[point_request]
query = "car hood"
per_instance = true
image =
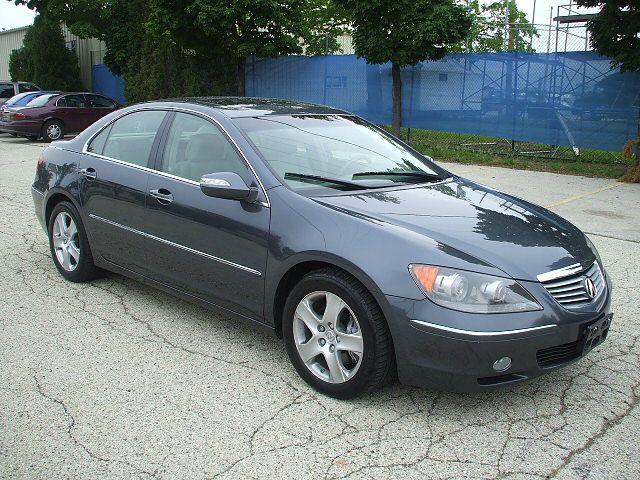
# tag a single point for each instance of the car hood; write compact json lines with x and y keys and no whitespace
{"x":519,"y":238}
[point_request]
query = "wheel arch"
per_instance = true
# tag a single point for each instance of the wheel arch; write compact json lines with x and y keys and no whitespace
{"x":55,"y":197}
{"x":299,"y":269}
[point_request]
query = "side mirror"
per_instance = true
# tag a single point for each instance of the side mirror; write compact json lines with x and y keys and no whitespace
{"x":227,"y":185}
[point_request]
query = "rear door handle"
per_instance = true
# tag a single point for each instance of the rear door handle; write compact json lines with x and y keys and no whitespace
{"x":90,"y":173}
{"x":163,"y":195}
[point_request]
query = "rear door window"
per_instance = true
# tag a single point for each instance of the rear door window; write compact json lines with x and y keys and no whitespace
{"x":72,"y":101}
{"x":96,"y":101}
{"x":131,"y":137}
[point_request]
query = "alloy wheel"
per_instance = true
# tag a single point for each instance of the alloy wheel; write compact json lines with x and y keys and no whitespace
{"x":54,"y":131}
{"x":328,"y":337}
{"x":66,"y":242}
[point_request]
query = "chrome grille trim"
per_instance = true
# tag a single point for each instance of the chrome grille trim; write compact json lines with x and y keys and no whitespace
{"x":569,"y":289}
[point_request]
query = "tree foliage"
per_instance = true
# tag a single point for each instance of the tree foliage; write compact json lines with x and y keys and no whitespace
{"x":615,"y":31}
{"x":490,"y":34}
{"x":167,"y":48}
{"x":405,"y":32}
{"x":325,"y":22}
{"x":44,"y":58}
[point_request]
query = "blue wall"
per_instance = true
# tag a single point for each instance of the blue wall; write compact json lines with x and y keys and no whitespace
{"x":571,"y":99}
{"x":106,"y":83}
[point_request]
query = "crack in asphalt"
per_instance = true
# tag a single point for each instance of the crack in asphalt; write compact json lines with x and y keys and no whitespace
{"x":72,"y":423}
{"x":287,"y":427}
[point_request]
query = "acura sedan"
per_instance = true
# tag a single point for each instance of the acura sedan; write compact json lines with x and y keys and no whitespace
{"x":365,"y":256}
{"x":53,"y":115}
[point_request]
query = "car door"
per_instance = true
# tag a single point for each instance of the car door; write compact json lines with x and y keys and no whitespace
{"x":213,"y":248}
{"x":113,"y":187}
{"x":98,"y":106}
{"x":73,"y":111}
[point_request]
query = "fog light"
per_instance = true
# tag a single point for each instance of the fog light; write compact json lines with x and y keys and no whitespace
{"x":502,"y":364}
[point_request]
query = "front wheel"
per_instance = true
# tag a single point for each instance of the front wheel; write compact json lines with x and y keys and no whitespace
{"x":336,"y":335}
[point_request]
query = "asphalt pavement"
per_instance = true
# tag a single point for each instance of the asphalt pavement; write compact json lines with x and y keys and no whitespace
{"x":114,"y":379}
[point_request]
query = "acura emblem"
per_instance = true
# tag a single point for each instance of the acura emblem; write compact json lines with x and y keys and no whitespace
{"x":590,"y":288}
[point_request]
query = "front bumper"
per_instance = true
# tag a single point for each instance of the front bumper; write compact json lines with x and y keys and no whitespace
{"x":449,"y":355}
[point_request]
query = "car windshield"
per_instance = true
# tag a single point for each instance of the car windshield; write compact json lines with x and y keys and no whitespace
{"x":41,"y":101}
{"x":334,"y":151}
{"x":17,"y":98}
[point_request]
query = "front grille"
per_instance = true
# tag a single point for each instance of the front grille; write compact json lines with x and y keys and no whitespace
{"x":559,"y":354}
{"x":571,"y":292}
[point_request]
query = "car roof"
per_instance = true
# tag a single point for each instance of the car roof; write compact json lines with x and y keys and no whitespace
{"x":252,"y":107}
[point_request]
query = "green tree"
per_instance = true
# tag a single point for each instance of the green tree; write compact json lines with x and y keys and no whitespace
{"x":44,"y":58}
{"x":325,"y":21}
{"x":490,"y":34}
{"x":265,"y":28}
{"x":615,"y":32}
{"x":153,"y":66}
{"x":405,"y":32}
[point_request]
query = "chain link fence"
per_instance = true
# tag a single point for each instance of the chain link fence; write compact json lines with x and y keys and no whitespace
{"x":555,"y":101}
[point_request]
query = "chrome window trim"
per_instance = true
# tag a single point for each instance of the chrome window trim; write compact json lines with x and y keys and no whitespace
{"x":482,"y":334}
{"x":226,"y":133}
{"x":560,"y":273}
{"x":176,"y":245}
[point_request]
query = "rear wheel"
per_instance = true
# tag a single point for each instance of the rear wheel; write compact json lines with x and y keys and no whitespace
{"x":52,"y":130}
{"x":336,"y":335}
{"x":69,"y":245}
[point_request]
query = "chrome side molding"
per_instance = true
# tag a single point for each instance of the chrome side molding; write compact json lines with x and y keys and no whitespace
{"x":176,"y":245}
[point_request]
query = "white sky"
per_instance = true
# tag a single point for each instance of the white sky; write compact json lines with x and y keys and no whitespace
{"x":12,"y":16}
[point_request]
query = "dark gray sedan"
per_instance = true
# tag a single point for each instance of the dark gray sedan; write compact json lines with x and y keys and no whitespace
{"x":364,"y":255}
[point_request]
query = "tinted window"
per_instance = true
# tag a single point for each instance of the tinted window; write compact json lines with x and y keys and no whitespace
{"x":72,"y":101}
{"x":131,"y":137}
{"x":27,"y":87}
{"x":196,"y":147}
{"x":6,"y":90}
{"x":97,"y":144}
{"x":42,"y":100}
{"x":96,"y":101}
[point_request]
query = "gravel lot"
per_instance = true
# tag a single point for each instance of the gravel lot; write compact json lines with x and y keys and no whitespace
{"x":114,"y":379}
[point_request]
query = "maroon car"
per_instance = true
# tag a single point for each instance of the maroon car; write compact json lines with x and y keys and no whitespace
{"x":53,"y":115}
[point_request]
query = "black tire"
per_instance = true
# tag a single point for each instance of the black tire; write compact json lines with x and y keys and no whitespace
{"x":377,"y":357}
{"x":49,"y":127}
{"x":84,"y":269}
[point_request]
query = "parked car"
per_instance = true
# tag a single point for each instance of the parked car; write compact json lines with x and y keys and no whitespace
{"x":22,"y":99}
{"x":53,"y":115}
{"x":360,"y":252}
{"x":8,"y":89}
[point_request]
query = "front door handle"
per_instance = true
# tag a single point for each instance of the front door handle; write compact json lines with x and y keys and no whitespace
{"x":90,"y":173}
{"x":162,"y":195}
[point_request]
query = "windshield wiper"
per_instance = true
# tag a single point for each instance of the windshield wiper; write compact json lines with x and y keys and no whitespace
{"x":319,"y":179}
{"x":416,"y":174}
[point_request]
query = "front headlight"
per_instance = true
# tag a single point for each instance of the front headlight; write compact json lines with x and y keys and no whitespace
{"x":594,"y":250}
{"x":472,"y":292}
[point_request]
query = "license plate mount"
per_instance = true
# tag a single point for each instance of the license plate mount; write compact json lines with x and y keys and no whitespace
{"x":595,"y":333}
